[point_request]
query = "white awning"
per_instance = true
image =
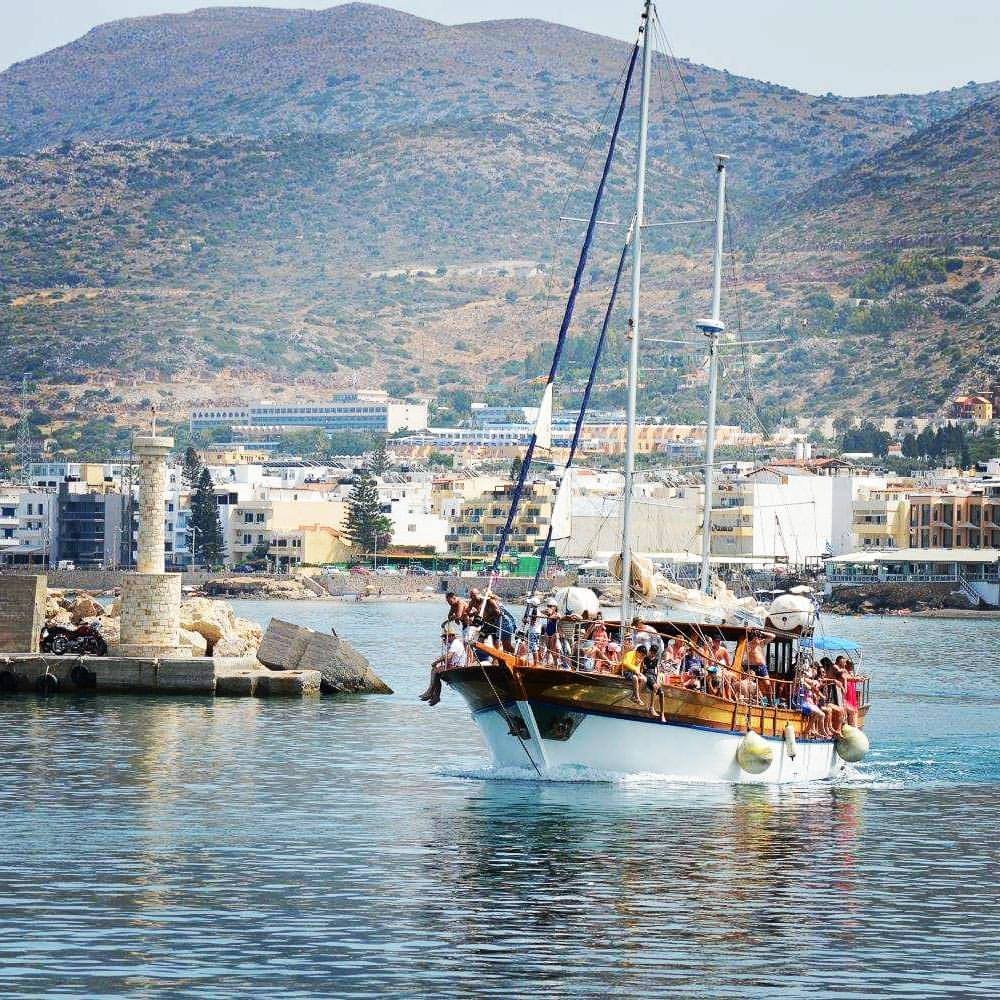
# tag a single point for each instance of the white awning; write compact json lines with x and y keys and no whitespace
{"x":920,"y":556}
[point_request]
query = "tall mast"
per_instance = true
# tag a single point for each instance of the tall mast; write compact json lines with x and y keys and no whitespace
{"x":712,"y":328}
{"x":633,"y":323}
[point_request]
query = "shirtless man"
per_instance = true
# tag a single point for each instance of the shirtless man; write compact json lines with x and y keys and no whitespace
{"x":722,"y":659}
{"x":457,"y":608}
{"x":757,"y":659}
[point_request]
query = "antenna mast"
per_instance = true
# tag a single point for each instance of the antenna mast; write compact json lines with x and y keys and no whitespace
{"x":713,"y":328}
{"x":633,"y":322}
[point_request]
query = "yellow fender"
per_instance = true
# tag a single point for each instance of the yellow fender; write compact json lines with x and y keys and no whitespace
{"x":754,"y":754}
{"x":852,"y":745}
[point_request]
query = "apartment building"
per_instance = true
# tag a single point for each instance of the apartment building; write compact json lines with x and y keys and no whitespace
{"x":477,"y":527}
{"x":307,"y":545}
{"x":263,"y":521}
{"x":955,"y":519}
{"x":779,"y":513}
{"x":881,"y":519}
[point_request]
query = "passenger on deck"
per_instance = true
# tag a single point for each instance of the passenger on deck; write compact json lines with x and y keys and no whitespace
{"x":850,"y":692}
{"x":806,"y":700}
{"x":833,"y":692}
{"x":714,"y":682}
{"x":674,"y":654}
{"x":457,"y":608}
{"x":757,"y":659}
{"x":692,"y":670}
{"x":550,"y":634}
{"x":531,"y":633}
{"x":632,"y":660}
{"x":454,"y":656}
{"x":498,"y":626}
{"x":723,"y":659}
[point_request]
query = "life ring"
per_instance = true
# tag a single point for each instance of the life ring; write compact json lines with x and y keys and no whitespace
{"x":47,"y":685}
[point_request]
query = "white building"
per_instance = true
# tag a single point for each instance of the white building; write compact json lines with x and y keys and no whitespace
{"x":28,"y":525}
{"x":365,"y":410}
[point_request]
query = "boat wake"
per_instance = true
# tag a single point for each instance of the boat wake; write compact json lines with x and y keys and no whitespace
{"x":570,"y":775}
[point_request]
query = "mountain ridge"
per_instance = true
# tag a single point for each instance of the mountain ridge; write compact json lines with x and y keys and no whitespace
{"x":243,"y":225}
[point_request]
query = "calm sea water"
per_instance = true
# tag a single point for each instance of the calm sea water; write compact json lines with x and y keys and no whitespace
{"x":237,"y":848}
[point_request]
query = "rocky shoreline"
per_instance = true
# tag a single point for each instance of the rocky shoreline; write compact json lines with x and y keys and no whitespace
{"x":891,"y":599}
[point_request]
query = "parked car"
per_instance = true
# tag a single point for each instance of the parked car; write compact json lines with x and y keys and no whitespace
{"x":85,"y":638}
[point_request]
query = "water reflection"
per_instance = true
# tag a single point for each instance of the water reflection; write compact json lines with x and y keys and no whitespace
{"x":239,"y":848}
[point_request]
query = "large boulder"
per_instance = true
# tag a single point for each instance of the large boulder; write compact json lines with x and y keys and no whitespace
{"x":194,"y":641}
{"x":344,"y":670}
{"x":211,"y":619}
{"x":56,"y":614}
{"x":85,"y":607}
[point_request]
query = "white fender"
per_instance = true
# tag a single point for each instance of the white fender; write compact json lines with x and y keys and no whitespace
{"x":754,"y":754}
{"x":852,"y":744}
{"x":790,"y":747}
{"x":790,"y":612}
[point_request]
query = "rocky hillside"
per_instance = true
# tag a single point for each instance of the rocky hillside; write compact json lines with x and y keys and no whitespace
{"x":941,"y":184}
{"x":254,"y":200}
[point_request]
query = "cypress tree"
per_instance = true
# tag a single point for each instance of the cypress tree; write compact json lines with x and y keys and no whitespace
{"x":379,"y":463}
{"x":367,"y":526}
{"x":191,"y":469}
{"x":209,"y":542}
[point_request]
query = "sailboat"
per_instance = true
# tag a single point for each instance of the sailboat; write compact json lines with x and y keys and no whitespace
{"x":556,"y":717}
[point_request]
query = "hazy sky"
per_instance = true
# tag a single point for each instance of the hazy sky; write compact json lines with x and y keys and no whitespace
{"x":847,"y":46}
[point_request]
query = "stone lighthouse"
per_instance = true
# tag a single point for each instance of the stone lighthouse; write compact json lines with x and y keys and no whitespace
{"x":151,"y":599}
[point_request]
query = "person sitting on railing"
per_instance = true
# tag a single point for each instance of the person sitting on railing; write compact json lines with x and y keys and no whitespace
{"x":805,"y":700}
{"x":631,"y":663}
{"x":454,"y":656}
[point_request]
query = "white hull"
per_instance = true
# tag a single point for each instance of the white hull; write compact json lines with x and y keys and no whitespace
{"x":605,"y":744}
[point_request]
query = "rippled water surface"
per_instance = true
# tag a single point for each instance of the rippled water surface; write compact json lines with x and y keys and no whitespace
{"x":233,"y":848}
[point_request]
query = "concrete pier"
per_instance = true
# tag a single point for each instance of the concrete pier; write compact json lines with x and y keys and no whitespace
{"x":243,"y":676}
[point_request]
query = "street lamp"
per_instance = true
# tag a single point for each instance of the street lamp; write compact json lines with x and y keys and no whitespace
{"x":193,"y":531}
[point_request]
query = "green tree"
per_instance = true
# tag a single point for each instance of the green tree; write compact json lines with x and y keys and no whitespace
{"x":379,"y":463}
{"x":367,"y":526}
{"x":209,"y":545}
{"x":191,"y":468}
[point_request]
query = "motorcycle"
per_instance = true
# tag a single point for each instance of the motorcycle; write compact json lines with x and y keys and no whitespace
{"x":85,"y":638}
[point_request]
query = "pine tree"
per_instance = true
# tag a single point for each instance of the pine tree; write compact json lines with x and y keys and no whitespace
{"x":209,"y":545}
{"x":367,"y":526}
{"x":191,"y":469}
{"x":379,"y":463}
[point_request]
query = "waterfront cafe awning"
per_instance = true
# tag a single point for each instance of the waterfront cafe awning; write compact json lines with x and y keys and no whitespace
{"x":873,"y":558}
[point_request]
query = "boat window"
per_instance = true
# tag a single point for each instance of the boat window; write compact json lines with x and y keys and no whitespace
{"x":780,"y":658}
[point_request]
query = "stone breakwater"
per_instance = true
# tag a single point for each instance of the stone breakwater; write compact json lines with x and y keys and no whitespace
{"x":202,"y":628}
